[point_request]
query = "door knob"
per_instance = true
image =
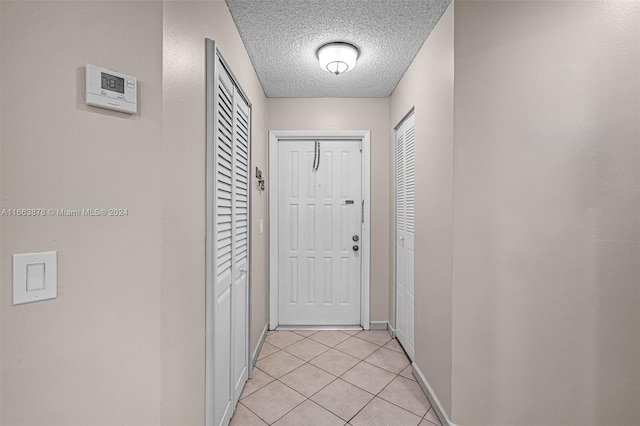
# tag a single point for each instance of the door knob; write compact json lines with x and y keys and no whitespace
{"x":356,"y":248}
{"x":356,"y":238}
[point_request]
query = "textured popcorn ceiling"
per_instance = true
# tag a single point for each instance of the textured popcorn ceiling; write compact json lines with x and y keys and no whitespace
{"x":282,"y":37}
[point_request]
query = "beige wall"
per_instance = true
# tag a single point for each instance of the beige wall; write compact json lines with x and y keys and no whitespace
{"x":538,"y":320}
{"x":546,"y":298}
{"x":352,"y":114}
{"x":186,"y":24}
{"x":124,"y":341}
{"x":1,"y":252}
{"x":428,"y":85}
{"x":91,"y":356}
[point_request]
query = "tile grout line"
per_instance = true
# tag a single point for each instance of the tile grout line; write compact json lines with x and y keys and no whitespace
{"x":377,"y":395}
{"x":393,"y":403}
{"x":299,"y":341}
{"x":307,"y":398}
{"x":300,"y":366}
{"x":396,"y":375}
{"x":254,"y":413}
{"x":374,"y":397}
{"x":278,"y":380}
{"x":394,"y":378}
{"x":308,"y":362}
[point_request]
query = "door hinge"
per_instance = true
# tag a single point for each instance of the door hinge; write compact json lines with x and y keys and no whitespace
{"x":362,"y":212}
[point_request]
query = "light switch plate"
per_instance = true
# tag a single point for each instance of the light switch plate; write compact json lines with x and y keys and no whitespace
{"x":35,"y":277}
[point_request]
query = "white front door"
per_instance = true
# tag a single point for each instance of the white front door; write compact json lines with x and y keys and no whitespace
{"x":320,"y":224}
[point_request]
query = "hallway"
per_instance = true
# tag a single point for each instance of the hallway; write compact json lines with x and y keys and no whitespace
{"x":498,"y":234}
{"x":333,"y":378}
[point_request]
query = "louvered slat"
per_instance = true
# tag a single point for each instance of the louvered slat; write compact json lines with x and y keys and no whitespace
{"x":400,"y":183}
{"x":241,"y":176}
{"x":410,"y":180}
{"x":224,"y":183}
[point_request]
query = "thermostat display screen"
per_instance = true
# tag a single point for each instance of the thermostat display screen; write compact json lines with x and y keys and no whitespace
{"x":111,"y":82}
{"x":109,"y":89}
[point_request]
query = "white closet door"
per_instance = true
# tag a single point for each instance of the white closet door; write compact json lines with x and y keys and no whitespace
{"x":240,"y":291}
{"x":224,"y":243}
{"x":405,"y":231}
{"x":228,"y":237}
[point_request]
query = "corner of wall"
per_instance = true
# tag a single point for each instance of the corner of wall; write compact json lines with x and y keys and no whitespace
{"x":427,"y":86}
{"x":1,"y":221}
{"x":186,"y":25}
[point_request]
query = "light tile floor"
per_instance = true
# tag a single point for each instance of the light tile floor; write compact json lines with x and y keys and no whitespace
{"x":325,"y":378}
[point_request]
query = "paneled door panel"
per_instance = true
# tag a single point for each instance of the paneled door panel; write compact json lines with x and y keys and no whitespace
{"x":319,"y":262}
{"x":222,"y":360}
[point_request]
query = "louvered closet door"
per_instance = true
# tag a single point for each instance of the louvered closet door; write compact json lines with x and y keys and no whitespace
{"x":239,"y":293}
{"x":231,"y":246}
{"x":224,"y":243}
{"x":405,"y":231}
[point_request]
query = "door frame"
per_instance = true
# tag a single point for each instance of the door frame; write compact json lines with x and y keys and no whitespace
{"x":276,"y":136}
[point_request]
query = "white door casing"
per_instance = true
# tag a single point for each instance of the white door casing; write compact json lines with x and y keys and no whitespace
{"x":405,"y":232}
{"x":319,"y":217}
{"x":227,"y":239}
{"x":277,"y":140}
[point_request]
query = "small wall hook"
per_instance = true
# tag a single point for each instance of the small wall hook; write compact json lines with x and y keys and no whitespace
{"x":260,"y":180}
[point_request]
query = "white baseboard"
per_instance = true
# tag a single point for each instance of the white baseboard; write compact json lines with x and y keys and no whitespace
{"x":256,"y":353}
{"x":317,"y":327}
{"x":378,"y":325}
{"x":382,"y":325}
{"x":431,"y":396}
{"x":392,"y":331}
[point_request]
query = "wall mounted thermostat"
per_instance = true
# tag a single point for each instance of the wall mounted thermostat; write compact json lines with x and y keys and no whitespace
{"x":111,"y":90}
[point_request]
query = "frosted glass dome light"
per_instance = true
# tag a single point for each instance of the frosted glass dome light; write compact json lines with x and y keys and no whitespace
{"x":338,"y":58}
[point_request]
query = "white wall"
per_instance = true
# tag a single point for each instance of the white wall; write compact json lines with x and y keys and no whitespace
{"x":428,"y":86}
{"x":91,"y":356}
{"x":352,"y":114}
{"x":546,"y":296}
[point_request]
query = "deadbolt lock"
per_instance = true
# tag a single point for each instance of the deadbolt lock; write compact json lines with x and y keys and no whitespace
{"x":356,"y":248}
{"x":356,"y":238}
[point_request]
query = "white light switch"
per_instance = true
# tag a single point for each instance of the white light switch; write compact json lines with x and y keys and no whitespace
{"x":35,"y":277}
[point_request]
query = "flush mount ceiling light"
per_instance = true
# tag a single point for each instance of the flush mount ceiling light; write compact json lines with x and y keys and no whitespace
{"x":338,"y":57}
